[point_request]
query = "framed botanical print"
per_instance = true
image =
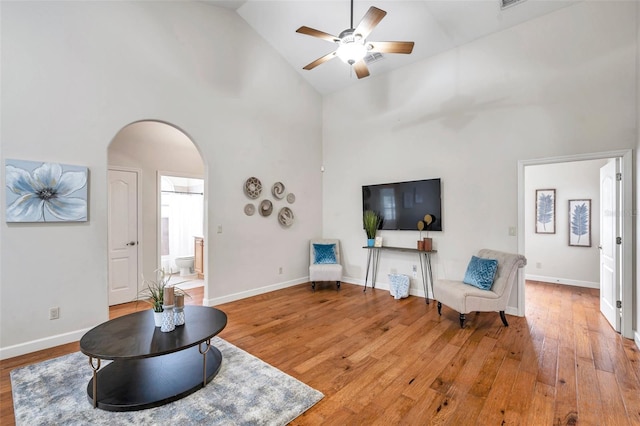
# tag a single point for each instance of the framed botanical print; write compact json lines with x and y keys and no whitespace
{"x":580,"y":223}
{"x":545,"y":211}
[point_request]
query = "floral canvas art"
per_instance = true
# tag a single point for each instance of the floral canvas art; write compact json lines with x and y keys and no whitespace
{"x":45,"y":192}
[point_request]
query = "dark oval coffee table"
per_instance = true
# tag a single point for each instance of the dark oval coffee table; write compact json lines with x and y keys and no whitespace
{"x":151,"y":368}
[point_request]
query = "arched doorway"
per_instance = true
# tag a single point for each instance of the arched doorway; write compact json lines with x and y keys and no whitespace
{"x":137,"y":156}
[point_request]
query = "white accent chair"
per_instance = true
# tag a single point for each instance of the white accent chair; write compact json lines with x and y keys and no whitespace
{"x":325,"y":271}
{"x":466,"y":298}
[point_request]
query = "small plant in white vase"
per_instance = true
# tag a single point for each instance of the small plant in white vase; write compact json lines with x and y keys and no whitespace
{"x":153,"y":292}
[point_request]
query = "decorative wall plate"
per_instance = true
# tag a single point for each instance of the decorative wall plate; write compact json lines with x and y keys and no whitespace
{"x":291,"y":198}
{"x":249,"y":209}
{"x":266,"y":208}
{"x":253,"y":187}
{"x":278,"y":190}
{"x":285,"y":216}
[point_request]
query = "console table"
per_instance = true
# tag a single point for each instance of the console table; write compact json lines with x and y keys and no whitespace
{"x":373,"y":256}
{"x":149,"y":367}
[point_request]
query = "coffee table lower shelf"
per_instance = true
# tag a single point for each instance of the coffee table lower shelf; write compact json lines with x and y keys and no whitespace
{"x":138,"y":384}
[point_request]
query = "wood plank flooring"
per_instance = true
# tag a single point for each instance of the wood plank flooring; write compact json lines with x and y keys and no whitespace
{"x":382,"y":361}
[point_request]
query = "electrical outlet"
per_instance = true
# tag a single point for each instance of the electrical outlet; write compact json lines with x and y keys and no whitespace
{"x":280,"y":270}
{"x":538,"y":265}
{"x":219,"y":229}
{"x":414,"y":268}
{"x":54,"y":313}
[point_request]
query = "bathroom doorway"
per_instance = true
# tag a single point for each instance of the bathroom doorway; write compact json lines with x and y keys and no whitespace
{"x":181,"y":227}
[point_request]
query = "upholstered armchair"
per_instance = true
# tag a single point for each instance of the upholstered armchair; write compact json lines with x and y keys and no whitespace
{"x":482,"y":289}
{"x":324,"y":261}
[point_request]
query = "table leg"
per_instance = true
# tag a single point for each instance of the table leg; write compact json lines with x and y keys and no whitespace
{"x":204,"y":360}
{"x":95,"y":369}
{"x":366,"y":277}
{"x":427,"y":277}
{"x":376,"y":257}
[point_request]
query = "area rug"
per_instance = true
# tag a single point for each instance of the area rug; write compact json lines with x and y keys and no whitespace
{"x":246,"y":391}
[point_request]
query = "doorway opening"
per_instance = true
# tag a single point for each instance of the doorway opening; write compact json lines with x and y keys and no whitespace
{"x":527,"y":219}
{"x":181,"y":228}
{"x":146,"y":147}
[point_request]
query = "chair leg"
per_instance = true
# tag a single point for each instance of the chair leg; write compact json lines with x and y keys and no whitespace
{"x":338,"y":284}
{"x":462,"y":318}
{"x":313,"y":285}
{"x":439,"y":308}
{"x":504,"y":319}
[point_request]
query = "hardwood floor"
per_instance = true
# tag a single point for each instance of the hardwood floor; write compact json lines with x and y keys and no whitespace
{"x":385,"y":361}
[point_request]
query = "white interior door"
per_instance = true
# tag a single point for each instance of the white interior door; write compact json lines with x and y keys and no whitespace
{"x":609,"y":248}
{"x":123,"y":236}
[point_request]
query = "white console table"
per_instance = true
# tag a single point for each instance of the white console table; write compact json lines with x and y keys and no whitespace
{"x":373,"y":256}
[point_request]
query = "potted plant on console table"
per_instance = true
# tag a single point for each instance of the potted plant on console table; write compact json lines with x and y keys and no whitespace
{"x":371,"y":223}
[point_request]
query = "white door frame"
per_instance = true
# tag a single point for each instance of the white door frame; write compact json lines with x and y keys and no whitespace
{"x":138,"y":172}
{"x":626,"y":193}
{"x":159,"y":175}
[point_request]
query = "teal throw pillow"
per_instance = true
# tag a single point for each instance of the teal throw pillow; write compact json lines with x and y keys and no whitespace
{"x":324,"y":253}
{"x":481,"y":272}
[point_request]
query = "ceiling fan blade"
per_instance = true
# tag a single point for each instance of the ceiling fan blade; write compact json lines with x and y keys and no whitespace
{"x":361,"y":69}
{"x":319,"y":61}
{"x":369,"y":21}
{"x":317,"y":33}
{"x":391,"y":46}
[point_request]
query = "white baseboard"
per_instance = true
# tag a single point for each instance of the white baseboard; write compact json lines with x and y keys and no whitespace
{"x":253,"y":292}
{"x":636,"y":338}
{"x":563,"y":281}
{"x":40,"y":344}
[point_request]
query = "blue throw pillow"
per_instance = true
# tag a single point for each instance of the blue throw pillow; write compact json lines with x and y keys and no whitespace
{"x":481,"y":272}
{"x":324,"y":253}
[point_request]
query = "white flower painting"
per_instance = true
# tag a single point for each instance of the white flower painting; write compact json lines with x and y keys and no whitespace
{"x":45,"y":192}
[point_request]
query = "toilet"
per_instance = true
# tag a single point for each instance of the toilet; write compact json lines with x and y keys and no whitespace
{"x":185,"y":264}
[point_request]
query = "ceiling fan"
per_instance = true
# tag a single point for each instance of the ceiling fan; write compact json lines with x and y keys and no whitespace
{"x":353,"y":45}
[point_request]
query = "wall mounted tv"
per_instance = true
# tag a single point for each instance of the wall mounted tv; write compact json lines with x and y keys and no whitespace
{"x":403,"y":204}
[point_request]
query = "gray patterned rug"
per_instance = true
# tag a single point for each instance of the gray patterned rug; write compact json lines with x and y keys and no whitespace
{"x":246,"y":391}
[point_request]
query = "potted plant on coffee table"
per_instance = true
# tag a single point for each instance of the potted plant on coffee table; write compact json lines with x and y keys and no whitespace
{"x":153,"y":293}
{"x":371,"y":221}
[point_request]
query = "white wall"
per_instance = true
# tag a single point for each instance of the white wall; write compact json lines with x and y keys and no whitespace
{"x":549,"y":256}
{"x":561,"y":84}
{"x":75,"y":73}
{"x":636,"y":204}
{"x":151,"y":147}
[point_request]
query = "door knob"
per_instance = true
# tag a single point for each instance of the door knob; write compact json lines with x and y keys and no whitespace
{"x":132,"y":243}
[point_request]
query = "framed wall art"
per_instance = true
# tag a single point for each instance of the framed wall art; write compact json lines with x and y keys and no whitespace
{"x":545,"y":211}
{"x":580,"y":223}
{"x":45,"y":192}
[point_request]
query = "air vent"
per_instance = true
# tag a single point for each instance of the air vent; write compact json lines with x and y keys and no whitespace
{"x":373,"y":57}
{"x":508,"y":3}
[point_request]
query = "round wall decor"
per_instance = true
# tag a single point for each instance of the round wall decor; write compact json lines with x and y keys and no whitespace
{"x":249,"y":209}
{"x":253,"y":187}
{"x":278,"y":190}
{"x":291,"y":198}
{"x":266,"y":208}
{"x":285,"y":216}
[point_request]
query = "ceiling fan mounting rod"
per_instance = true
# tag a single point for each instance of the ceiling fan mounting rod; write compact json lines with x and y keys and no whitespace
{"x":351,"y":15}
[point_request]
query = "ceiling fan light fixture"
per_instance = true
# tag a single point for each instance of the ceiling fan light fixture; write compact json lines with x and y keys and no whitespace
{"x":351,"y":52}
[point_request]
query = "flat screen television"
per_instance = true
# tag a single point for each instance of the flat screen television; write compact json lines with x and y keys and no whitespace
{"x":402,"y":204}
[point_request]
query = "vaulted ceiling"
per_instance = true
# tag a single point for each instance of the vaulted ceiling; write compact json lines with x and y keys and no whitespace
{"x":434,"y":25}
